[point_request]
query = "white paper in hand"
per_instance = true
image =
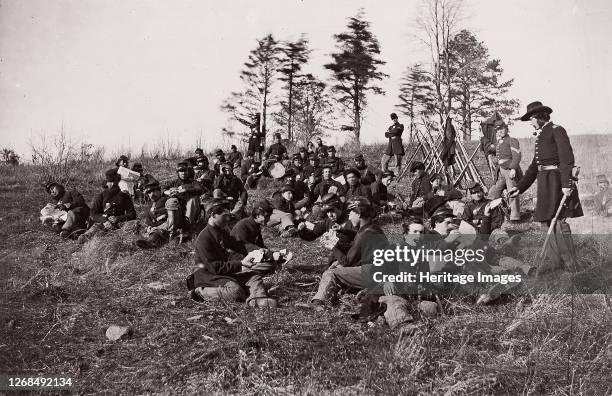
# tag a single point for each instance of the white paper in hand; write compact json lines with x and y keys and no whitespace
{"x":333,"y":190}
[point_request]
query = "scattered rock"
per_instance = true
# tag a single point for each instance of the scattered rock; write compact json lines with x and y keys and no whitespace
{"x":208,"y":338}
{"x":157,"y":285}
{"x":115,"y":333}
{"x":195,"y":317}
{"x":11,"y":324}
{"x":230,"y":320}
{"x":428,"y":308}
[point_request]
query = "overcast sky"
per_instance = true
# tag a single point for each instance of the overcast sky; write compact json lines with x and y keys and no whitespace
{"x":126,"y":72}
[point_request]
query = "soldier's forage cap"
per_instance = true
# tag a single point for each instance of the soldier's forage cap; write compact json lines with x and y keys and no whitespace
{"x":534,"y":108}
{"x":388,"y":173}
{"x":151,"y":186}
{"x":435,"y":176}
{"x":182,"y":167}
{"x":215,"y":204}
{"x":290,"y":172}
{"x":327,"y":165}
{"x":359,"y":157}
{"x":443,"y":211}
{"x":172,"y":204}
{"x":277,"y":135}
{"x":218,"y":152}
{"x":199,"y":151}
{"x":474,"y":186}
{"x":302,"y":149}
{"x":331,"y":148}
{"x":352,"y":171}
{"x":296,"y":156}
{"x":112,"y":175}
{"x":393,"y":116}
{"x":286,"y":188}
{"x":264,"y":205}
{"x":202,"y":159}
{"x":137,"y":167}
{"x":359,"y":202}
{"x":498,"y":124}
{"x":602,"y":179}
{"x":233,"y":147}
{"x":226,"y":165}
{"x":313,"y":157}
{"x":50,"y":185}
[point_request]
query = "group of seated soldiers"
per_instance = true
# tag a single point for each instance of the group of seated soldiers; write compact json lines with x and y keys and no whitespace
{"x":323,"y":195}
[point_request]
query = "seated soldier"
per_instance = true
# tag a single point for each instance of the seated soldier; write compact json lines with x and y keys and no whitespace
{"x":245,"y":165}
{"x":335,"y":163}
{"x":327,"y":184}
{"x":122,"y":161}
{"x":303,"y":153}
{"x":188,"y":192}
{"x":369,"y":174}
{"x":234,"y":157}
{"x":380,"y":194}
{"x":227,"y":271}
{"x":110,"y":209}
{"x":163,"y":219}
{"x":192,"y":161}
{"x":219,"y":160}
{"x":248,"y":230}
{"x":230,"y":185}
{"x":276,"y":151}
{"x":73,"y":203}
{"x":297,"y":165}
{"x":313,"y":174}
{"x":143,"y":180}
{"x":320,"y":150}
{"x":203,"y":174}
{"x":353,"y":270}
{"x":301,"y":194}
{"x":284,"y":214}
{"x":442,"y":190}
{"x":474,"y":210}
{"x":420,"y":185}
{"x":603,"y":199}
{"x":353,"y":187}
{"x":253,"y":174}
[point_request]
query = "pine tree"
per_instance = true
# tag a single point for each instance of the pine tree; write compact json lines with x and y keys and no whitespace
{"x":293,"y":57}
{"x":355,"y":68}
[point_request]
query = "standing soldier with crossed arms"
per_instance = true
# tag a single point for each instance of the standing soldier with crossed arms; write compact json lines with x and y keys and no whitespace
{"x":395,"y":146}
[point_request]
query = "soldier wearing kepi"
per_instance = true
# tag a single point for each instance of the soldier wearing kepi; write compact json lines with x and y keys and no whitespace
{"x":162,"y":219}
{"x":395,"y":146}
{"x":110,"y":209}
{"x":553,"y":167}
{"x":509,"y":172}
{"x":74,"y":204}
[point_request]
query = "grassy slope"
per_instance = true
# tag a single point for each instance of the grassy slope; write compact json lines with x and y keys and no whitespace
{"x":58,"y":299}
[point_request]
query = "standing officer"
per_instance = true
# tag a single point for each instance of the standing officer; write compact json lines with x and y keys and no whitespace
{"x":552,"y":166}
{"x":395,"y":146}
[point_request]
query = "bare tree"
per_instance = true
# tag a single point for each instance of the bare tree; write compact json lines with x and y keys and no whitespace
{"x":438,"y":22}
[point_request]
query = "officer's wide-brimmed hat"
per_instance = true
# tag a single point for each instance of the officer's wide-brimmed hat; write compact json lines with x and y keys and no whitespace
{"x":533,"y":108}
{"x":601,"y":179}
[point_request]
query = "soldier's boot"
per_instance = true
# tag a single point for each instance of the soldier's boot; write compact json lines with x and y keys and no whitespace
{"x":397,"y":310}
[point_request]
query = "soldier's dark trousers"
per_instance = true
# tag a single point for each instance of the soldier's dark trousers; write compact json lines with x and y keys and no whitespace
{"x":76,"y":219}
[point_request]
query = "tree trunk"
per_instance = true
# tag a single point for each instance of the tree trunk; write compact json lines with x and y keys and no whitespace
{"x":356,"y":111}
{"x":289,"y":134}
